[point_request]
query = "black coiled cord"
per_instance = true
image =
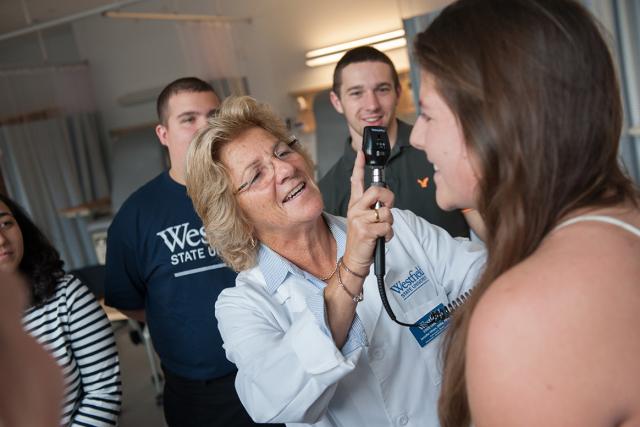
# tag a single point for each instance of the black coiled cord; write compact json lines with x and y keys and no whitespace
{"x":437,"y":316}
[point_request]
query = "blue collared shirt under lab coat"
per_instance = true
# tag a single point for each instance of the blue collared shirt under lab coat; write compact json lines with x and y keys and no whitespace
{"x":274,"y":329}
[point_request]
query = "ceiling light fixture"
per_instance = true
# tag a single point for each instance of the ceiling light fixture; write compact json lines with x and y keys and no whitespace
{"x":331,"y":54}
{"x":172,"y":17}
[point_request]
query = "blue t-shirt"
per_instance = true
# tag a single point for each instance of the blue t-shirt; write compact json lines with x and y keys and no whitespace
{"x":158,"y":260}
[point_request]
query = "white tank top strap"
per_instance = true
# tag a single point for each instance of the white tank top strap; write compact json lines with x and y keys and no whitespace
{"x":601,"y":218}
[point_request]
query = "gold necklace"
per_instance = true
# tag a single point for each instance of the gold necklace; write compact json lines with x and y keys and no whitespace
{"x":325,"y":278}
{"x":331,"y":244}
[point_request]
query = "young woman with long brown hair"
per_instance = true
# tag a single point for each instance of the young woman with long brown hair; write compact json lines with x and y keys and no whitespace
{"x":521,"y":116}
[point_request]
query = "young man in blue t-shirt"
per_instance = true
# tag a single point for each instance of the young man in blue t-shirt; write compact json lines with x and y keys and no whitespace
{"x":161,"y":270}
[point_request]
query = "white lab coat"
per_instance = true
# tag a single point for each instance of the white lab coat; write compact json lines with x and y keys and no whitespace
{"x":290,"y":371}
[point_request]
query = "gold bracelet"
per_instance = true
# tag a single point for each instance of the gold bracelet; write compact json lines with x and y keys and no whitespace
{"x":348,"y":270}
{"x":354,"y":298}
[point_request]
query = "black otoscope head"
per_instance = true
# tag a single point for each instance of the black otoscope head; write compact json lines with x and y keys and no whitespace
{"x":375,"y":145}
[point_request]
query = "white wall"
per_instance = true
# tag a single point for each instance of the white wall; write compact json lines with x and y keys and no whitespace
{"x":283,"y":30}
{"x":59,"y":46}
{"x":129,"y":56}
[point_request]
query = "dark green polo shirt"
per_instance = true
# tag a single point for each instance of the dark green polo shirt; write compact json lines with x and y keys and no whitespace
{"x":408,"y":174}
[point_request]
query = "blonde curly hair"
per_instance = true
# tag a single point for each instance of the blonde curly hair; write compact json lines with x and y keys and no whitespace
{"x":208,"y":181}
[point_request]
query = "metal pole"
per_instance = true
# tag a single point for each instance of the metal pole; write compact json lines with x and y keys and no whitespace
{"x":65,"y":19}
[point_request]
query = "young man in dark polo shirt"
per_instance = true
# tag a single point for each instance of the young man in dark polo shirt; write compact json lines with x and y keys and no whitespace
{"x":365,"y":90}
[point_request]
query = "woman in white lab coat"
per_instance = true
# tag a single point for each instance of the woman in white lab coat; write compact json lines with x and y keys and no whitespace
{"x":305,"y":323}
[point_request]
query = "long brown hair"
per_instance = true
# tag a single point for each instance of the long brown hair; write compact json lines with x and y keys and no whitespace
{"x":533,"y":85}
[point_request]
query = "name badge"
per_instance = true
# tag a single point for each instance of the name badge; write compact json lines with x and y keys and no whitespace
{"x":431,"y":325}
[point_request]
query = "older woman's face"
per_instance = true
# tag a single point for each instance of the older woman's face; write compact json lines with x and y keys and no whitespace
{"x":438,"y":133}
{"x":274,"y":185}
{"x":11,"y":245}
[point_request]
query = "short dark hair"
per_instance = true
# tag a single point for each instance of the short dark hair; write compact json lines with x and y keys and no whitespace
{"x":41,"y":263}
{"x":362,"y":54}
{"x":184,"y":84}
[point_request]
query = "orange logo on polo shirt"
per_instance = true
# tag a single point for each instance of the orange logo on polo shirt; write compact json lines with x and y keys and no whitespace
{"x":423,"y":182}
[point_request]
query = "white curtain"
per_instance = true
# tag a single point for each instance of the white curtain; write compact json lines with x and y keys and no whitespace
{"x":50,"y":152}
{"x":627,"y":37}
{"x":210,"y":52}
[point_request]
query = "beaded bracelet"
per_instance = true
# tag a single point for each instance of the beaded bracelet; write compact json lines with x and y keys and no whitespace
{"x":354,"y":298}
{"x":348,"y":270}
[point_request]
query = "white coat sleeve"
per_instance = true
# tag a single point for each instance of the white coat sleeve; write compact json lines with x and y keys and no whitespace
{"x":288,"y":368}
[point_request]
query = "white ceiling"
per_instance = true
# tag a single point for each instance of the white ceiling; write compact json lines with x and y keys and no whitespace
{"x":12,"y":16}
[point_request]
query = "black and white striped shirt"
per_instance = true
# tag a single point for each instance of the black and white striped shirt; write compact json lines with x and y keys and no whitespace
{"x":75,"y":330}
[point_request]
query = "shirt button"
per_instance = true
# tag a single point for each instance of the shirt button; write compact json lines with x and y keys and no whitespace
{"x":377,"y":354}
{"x":403,"y":420}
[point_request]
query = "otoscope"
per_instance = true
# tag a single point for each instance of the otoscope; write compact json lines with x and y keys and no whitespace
{"x":376,"y":148}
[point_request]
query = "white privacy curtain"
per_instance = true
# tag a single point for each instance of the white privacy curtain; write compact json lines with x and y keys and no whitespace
{"x":50,"y":152}
{"x":210,"y":53}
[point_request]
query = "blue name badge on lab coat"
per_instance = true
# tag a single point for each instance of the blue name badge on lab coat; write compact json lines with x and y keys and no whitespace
{"x":433,"y":324}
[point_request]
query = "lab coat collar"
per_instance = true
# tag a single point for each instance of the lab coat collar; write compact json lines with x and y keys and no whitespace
{"x":275,"y":268}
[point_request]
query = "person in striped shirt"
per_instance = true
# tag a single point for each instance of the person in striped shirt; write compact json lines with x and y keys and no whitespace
{"x":66,"y":319}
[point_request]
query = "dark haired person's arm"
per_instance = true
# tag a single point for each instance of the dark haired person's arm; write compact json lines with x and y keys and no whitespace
{"x":94,"y":349}
{"x":133,"y":314}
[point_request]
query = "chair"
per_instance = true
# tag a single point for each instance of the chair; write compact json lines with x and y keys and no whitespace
{"x":93,"y":277}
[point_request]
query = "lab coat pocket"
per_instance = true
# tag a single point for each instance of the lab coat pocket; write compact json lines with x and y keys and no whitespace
{"x":434,"y":359}
{"x":430,"y":336}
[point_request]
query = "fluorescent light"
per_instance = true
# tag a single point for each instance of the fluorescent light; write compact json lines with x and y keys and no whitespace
{"x":360,"y":42}
{"x":172,"y":16}
{"x":331,"y":54}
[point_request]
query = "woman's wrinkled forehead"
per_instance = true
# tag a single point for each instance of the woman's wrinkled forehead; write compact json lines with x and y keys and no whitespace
{"x":246,"y":147}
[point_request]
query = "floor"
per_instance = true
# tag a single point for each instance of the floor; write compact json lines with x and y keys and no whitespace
{"x":139,"y":406}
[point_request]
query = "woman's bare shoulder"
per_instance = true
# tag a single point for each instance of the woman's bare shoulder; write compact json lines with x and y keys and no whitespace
{"x":559,"y":329}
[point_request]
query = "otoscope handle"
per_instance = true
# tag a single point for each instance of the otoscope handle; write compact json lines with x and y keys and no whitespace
{"x":378,"y":255}
{"x":379,"y":258}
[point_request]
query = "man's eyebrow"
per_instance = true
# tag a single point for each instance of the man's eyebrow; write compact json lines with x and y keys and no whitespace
{"x":2,"y":213}
{"x":354,"y":87}
{"x":187,"y":113}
